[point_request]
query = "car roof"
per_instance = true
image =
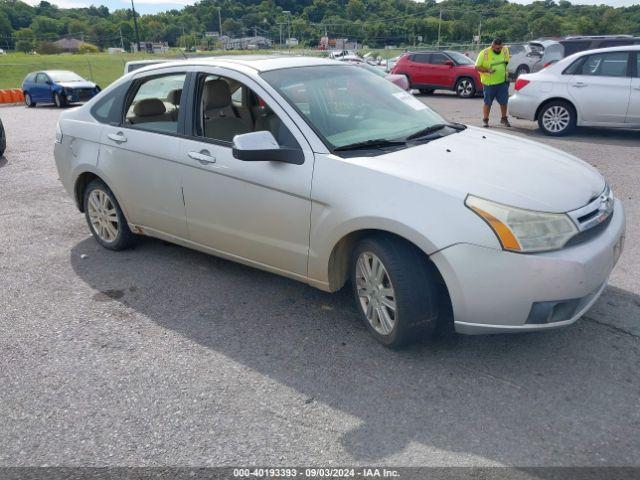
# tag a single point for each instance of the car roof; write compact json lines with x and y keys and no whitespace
{"x":259,"y":63}
{"x":622,"y":48}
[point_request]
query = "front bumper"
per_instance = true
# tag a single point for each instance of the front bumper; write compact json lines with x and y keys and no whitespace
{"x":523,"y":106}
{"x":494,"y":291}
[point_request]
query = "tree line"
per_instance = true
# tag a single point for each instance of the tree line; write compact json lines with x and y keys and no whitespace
{"x":375,"y":23}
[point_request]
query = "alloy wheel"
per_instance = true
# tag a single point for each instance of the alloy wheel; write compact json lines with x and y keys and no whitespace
{"x":103,"y":216}
{"x":465,"y":87}
{"x":376,"y":293}
{"x":556,"y":118}
{"x":27,"y":100}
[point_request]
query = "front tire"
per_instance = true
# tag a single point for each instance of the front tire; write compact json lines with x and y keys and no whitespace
{"x":105,"y":218}
{"x":465,"y":87}
{"x":59,"y":100}
{"x":28,"y":101}
{"x":557,"y":118}
{"x":395,"y":290}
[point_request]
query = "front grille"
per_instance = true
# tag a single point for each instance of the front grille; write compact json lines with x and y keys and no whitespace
{"x":593,"y":218}
{"x":84,"y":93}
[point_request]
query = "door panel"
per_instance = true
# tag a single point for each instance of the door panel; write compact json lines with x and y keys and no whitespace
{"x":145,"y":177}
{"x":633,"y":112}
{"x":601,"y":88}
{"x":420,"y":69}
{"x":139,"y":157}
{"x":258,"y":211}
{"x":440,"y":73}
{"x":41,"y":89}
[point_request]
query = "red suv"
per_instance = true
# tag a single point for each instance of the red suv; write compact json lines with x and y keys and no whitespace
{"x":429,"y":71}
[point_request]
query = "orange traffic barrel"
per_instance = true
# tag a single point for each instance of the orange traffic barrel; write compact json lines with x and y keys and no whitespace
{"x":19,"y":95}
{"x":4,"y":98}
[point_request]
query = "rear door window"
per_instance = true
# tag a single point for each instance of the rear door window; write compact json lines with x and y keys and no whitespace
{"x":610,"y":64}
{"x":421,"y":58}
{"x":155,"y":104}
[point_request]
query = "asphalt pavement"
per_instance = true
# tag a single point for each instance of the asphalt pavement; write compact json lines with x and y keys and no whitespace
{"x":164,"y":356}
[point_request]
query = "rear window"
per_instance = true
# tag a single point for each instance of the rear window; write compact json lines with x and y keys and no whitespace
{"x":573,"y":47}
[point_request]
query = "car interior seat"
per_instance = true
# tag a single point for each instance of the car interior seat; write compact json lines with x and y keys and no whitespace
{"x":221,"y":121}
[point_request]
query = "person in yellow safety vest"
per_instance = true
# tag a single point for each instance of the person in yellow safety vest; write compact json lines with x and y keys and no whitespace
{"x":492,"y":64}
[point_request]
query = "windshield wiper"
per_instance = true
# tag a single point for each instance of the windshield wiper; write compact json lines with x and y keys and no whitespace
{"x":435,"y":128}
{"x":373,"y":143}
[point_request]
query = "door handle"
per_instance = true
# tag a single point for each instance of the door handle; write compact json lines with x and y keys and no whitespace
{"x":203,"y":156}
{"x":117,"y":137}
{"x":579,"y":84}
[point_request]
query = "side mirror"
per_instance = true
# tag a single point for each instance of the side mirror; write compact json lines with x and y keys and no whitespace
{"x":449,"y":63}
{"x":263,"y":147}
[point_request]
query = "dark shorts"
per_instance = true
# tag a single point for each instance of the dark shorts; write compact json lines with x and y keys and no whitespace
{"x":498,"y":92}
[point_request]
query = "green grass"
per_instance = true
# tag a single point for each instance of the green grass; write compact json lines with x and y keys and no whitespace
{"x":100,"y":68}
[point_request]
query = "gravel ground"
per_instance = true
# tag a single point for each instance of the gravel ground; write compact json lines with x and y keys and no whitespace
{"x":165,"y":356}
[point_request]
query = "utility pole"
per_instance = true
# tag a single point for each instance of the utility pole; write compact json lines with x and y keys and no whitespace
{"x":219,"y":21}
{"x":439,"y":27}
{"x":479,"y":33}
{"x":280,"y":25}
{"x":121,"y":39}
{"x":135,"y":25}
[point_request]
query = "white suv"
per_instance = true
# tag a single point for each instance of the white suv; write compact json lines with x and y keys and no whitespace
{"x":327,"y":173}
{"x":597,"y":88}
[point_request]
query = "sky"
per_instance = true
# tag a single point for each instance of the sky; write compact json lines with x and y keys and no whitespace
{"x":154,"y":6}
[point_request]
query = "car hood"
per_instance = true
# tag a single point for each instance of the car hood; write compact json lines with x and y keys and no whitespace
{"x":84,"y":84}
{"x":497,"y":167}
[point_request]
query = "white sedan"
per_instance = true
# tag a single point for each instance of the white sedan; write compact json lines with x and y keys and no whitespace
{"x":596,"y":88}
{"x":329,"y":174}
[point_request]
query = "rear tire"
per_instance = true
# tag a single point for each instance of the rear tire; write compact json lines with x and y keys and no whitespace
{"x":465,"y":87}
{"x":557,"y":118}
{"x":28,"y":101}
{"x":3,"y":140}
{"x":105,"y":218}
{"x":395,"y":289}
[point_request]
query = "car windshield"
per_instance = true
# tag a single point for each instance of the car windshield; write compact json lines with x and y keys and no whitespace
{"x":63,"y":76}
{"x":348,"y":105}
{"x":460,"y":58}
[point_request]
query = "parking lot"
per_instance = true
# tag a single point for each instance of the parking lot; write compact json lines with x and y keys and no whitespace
{"x":164,"y":356}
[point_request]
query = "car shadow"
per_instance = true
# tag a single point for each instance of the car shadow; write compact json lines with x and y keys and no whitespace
{"x":525,"y":399}
{"x":3,"y":160}
{"x":591,"y":135}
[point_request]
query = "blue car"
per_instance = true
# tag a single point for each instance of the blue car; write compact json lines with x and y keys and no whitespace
{"x":57,"y":86}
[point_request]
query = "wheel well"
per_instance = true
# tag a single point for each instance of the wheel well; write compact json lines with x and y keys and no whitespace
{"x":547,"y":101}
{"x":81,"y":184}
{"x":467,"y":77}
{"x":340,"y":259}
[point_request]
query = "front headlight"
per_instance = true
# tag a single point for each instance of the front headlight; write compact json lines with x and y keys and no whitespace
{"x":522,"y":230}
{"x":58,"y":133}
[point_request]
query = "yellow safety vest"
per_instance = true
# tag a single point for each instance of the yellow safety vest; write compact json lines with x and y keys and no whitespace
{"x":491,"y":78}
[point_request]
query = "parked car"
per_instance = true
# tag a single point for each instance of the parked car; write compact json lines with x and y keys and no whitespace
{"x":522,"y":58}
{"x":598,"y":88}
{"x":430,"y":71}
{"x":326,"y":173}
{"x":392,"y":62}
{"x":3,"y":139}
{"x":137,"y":64}
{"x":574,"y":44}
{"x":399,"y":80}
{"x":547,"y":53}
{"x":61,"y":87}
